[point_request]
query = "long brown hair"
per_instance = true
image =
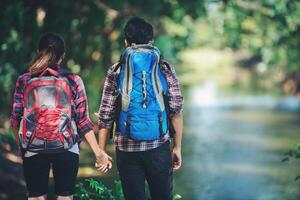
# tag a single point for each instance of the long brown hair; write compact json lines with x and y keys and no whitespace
{"x":51,"y":49}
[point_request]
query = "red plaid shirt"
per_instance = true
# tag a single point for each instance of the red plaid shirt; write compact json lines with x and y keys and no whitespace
{"x":80,"y":114}
{"x":108,"y":106}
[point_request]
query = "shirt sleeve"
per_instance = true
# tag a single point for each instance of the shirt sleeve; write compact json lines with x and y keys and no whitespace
{"x":82,"y":119}
{"x":175,"y":98}
{"x":107,"y":109}
{"x":17,"y":106}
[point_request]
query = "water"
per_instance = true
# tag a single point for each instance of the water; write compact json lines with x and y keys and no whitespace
{"x":234,"y":152}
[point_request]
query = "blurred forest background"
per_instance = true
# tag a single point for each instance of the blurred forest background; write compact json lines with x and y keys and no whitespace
{"x":241,"y":47}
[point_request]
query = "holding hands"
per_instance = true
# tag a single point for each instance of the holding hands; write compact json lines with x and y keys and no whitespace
{"x":103,"y":162}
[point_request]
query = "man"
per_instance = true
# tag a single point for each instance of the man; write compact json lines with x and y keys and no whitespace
{"x":132,"y":97}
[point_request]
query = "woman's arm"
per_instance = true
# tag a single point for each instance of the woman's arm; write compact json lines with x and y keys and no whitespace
{"x":103,"y":135}
{"x":16,"y":134}
{"x":103,"y":161}
{"x":85,"y":126}
{"x":17,"y":107}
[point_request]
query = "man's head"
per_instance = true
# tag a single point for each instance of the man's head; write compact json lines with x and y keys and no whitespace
{"x":138,"y":31}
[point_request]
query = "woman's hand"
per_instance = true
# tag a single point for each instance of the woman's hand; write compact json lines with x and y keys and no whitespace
{"x":103,"y":162}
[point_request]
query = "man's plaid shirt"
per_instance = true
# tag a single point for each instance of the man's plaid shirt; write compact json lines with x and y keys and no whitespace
{"x":107,"y":109}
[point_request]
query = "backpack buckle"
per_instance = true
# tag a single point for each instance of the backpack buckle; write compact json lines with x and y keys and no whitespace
{"x":28,"y":134}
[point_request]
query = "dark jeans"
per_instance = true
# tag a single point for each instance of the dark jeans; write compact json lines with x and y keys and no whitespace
{"x":154,"y":165}
{"x":64,"y":166}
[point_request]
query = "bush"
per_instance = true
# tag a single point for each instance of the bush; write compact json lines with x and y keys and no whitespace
{"x":91,"y":189}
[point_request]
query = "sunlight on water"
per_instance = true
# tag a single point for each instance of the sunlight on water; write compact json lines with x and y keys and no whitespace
{"x":204,"y":95}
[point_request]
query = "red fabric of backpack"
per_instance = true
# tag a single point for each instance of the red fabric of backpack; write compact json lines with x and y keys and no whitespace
{"x":47,"y":124}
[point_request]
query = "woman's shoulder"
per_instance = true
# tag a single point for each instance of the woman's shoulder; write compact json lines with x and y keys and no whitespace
{"x":23,"y":78}
{"x":25,"y":75}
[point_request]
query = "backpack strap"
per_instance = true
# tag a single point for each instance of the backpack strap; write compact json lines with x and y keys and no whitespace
{"x":127,"y":83}
{"x":157,"y":85}
{"x":51,"y":71}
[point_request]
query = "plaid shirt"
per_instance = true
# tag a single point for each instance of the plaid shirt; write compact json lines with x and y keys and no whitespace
{"x":80,"y":114}
{"x":108,"y":107}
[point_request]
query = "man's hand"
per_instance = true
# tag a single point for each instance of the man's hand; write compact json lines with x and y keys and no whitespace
{"x":103,"y":162}
{"x":176,"y":157}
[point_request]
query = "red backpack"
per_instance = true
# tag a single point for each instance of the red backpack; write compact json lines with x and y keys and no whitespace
{"x":47,"y":124}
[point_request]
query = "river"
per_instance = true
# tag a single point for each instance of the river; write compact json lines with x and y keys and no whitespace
{"x":233,"y":147}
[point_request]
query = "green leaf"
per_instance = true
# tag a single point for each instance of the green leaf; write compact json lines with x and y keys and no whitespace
{"x":177,"y":196}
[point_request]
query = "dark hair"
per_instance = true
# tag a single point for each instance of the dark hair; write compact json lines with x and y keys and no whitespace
{"x":138,"y":31}
{"x":50,"y":49}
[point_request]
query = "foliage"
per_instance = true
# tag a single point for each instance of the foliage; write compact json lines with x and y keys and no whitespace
{"x":177,"y":196}
{"x":293,"y":154}
{"x":270,"y":29}
{"x":92,"y":30}
{"x":264,"y":37}
{"x":119,"y":190}
{"x":91,"y":189}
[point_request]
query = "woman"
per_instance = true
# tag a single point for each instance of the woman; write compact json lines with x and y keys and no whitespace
{"x":50,"y":114}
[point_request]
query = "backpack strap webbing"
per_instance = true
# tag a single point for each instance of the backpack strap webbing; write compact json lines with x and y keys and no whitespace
{"x":127,"y":83}
{"x":157,"y":85}
{"x":49,"y":70}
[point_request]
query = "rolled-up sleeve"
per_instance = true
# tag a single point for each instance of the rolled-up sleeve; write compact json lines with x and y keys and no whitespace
{"x":175,"y":97}
{"x":82,"y":119}
{"x":107,"y":109}
{"x":17,"y":106}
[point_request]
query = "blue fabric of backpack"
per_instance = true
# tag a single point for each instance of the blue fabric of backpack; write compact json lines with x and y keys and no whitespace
{"x":142,"y":87}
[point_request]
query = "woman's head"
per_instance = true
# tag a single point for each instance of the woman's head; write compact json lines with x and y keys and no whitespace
{"x":51,"y":51}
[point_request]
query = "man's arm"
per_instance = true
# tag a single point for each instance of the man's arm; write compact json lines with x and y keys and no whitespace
{"x":177,"y":122}
{"x":175,"y":101}
{"x":107,"y":109}
{"x":85,"y":126}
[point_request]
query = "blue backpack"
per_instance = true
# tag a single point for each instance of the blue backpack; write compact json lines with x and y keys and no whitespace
{"x":142,"y":87}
